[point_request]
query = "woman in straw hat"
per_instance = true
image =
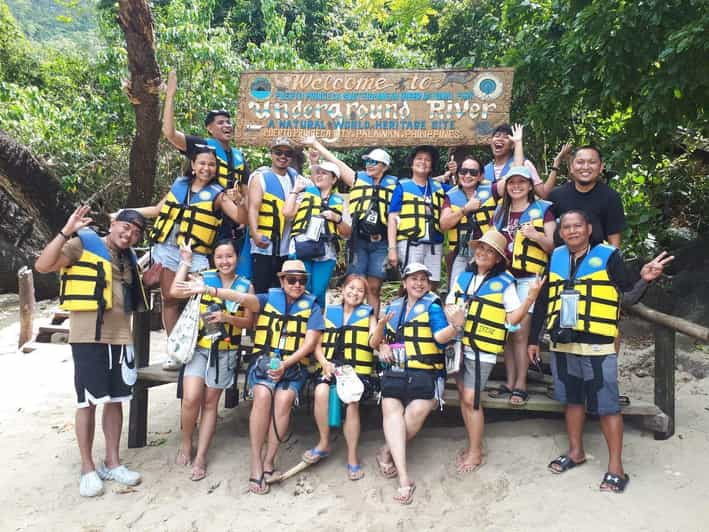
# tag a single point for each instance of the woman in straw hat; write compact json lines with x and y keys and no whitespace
{"x":487,"y":291}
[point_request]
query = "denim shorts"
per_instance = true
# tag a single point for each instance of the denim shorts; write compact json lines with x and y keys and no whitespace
{"x":169,"y":256}
{"x":370,"y":258}
{"x":284,"y":384}
{"x":200,"y":366}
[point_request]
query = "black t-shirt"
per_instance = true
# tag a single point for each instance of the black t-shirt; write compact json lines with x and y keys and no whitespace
{"x":601,"y":203}
{"x":191,"y":140}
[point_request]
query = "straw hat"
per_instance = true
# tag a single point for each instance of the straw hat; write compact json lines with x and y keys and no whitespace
{"x":493,"y":238}
{"x":292,"y":267}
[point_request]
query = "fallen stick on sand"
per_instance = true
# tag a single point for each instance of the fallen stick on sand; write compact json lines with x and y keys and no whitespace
{"x":301,"y":466}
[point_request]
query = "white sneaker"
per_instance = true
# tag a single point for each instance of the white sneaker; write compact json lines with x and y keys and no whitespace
{"x":90,"y":485}
{"x":120,"y":474}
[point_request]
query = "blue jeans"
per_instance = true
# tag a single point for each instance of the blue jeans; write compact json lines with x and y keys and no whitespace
{"x":319,"y":278}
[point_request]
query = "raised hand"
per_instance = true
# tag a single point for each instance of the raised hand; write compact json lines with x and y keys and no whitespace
{"x":653,"y":269}
{"x":535,"y":286}
{"x":308,"y":140}
{"x":563,"y":154}
{"x":186,"y":251}
{"x":517,"y":133}
{"x":77,"y":220}
{"x":171,"y":87}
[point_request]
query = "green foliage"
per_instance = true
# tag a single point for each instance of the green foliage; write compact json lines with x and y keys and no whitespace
{"x":627,"y":76}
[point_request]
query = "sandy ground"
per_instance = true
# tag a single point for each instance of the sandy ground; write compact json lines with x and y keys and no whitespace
{"x":513,"y":491}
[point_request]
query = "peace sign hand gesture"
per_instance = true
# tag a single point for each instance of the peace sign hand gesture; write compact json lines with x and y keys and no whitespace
{"x":653,"y":269}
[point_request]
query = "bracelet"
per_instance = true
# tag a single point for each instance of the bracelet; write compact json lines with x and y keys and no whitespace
{"x":185,"y":263}
{"x":554,"y":168}
{"x":216,"y":291}
{"x":62,"y":233}
{"x":392,"y":247}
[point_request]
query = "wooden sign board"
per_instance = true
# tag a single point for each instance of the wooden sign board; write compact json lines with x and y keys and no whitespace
{"x":352,"y":108}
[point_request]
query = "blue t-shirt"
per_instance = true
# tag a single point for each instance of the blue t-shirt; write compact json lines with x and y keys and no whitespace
{"x":437,"y":319}
{"x":315,"y":321}
{"x":395,"y":206}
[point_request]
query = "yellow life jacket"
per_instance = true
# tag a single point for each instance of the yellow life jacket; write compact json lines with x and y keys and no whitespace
{"x":228,"y":174}
{"x":351,"y":339}
{"x":484,"y":328}
{"x":599,"y":301}
{"x":87,"y":285}
{"x":313,"y":205}
{"x":482,"y":216}
{"x":527,"y":255}
{"x":364,"y":192}
{"x":278,"y":332}
{"x":271,"y":222}
{"x":414,"y":331}
{"x":194,"y":211}
{"x":232,"y":336}
{"x":415,"y":215}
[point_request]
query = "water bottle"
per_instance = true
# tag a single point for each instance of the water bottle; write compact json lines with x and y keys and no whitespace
{"x":334,"y":412}
{"x":211,"y":329}
{"x":275,"y":362}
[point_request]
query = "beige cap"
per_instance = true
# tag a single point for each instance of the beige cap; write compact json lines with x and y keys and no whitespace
{"x":293,"y":267}
{"x":493,"y":238}
{"x":282,"y":141}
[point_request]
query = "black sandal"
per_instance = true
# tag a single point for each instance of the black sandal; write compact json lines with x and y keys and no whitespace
{"x":522,"y":395}
{"x":501,"y":391}
{"x":563,"y":463}
{"x":614,"y":483}
{"x":263,"y":487}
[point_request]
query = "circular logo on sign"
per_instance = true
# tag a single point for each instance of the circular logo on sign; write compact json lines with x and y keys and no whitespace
{"x":535,"y":213}
{"x":487,"y":86}
{"x":484,"y":128}
{"x":419,"y":308}
{"x":595,"y":261}
{"x":260,"y":88}
{"x":303,"y":304}
{"x":496,"y":286}
{"x":483,"y":195}
{"x":204,"y":195}
{"x":362,"y":312}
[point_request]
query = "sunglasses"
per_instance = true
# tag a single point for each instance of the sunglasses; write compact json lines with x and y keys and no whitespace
{"x":296,"y":279}
{"x":472,"y":171}
{"x":281,"y":153}
{"x":371,"y":162}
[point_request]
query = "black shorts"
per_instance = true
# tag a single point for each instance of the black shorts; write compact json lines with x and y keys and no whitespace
{"x":408,"y":385}
{"x":97,"y":374}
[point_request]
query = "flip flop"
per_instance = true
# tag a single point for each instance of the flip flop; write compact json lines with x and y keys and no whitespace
{"x":314,"y":455}
{"x":462,"y":467}
{"x":614,"y":483}
{"x":354,"y":472}
{"x":387,"y":469}
{"x":501,"y":391}
{"x":198,"y":473}
{"x":405,"y":494}
{"x":262,"y":488}
{"x":563,"y":463}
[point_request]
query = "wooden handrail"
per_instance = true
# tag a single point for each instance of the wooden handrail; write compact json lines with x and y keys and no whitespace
{"x":672,"y":322}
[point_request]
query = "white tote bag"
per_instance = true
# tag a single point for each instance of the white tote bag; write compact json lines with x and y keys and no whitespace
{"x":183,"y":338}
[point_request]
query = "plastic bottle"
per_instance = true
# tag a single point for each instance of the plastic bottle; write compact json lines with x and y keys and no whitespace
{"x":334,"y":412}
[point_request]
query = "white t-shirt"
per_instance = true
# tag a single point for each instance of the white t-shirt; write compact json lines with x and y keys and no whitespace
{"x":510,"y":300}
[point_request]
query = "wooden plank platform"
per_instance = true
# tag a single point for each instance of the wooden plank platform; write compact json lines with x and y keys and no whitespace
{"x":46,"y":331}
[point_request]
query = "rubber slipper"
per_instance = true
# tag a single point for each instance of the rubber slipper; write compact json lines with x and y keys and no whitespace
{"x":314,"y":455}
{"x":387,"y":469}
{"x":262,"y":488}
{"x":519,"y":397}
{"x":501,"y":391}
{"x":405,"y":494}
{"x":198,"y":473}
{"x":354,"y":472}
{"x":614,"y":483}
{"x":563,"y":463}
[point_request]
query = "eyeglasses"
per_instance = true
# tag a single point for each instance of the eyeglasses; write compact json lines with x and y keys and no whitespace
{"x":371,"y":162}
{"x":295,"y":279}
{"x":472,"y":171}
{"x":282,"y":153}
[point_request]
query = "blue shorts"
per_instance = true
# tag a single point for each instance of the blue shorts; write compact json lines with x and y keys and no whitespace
{"x":589,"y":380}
{"x":284,"y":384}
{"x":370,"y":258}
{"x":169,"y":256}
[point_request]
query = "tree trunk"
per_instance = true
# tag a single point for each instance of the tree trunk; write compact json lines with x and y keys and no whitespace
{"x":143,"y":89}
{"x":33,"y":207}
